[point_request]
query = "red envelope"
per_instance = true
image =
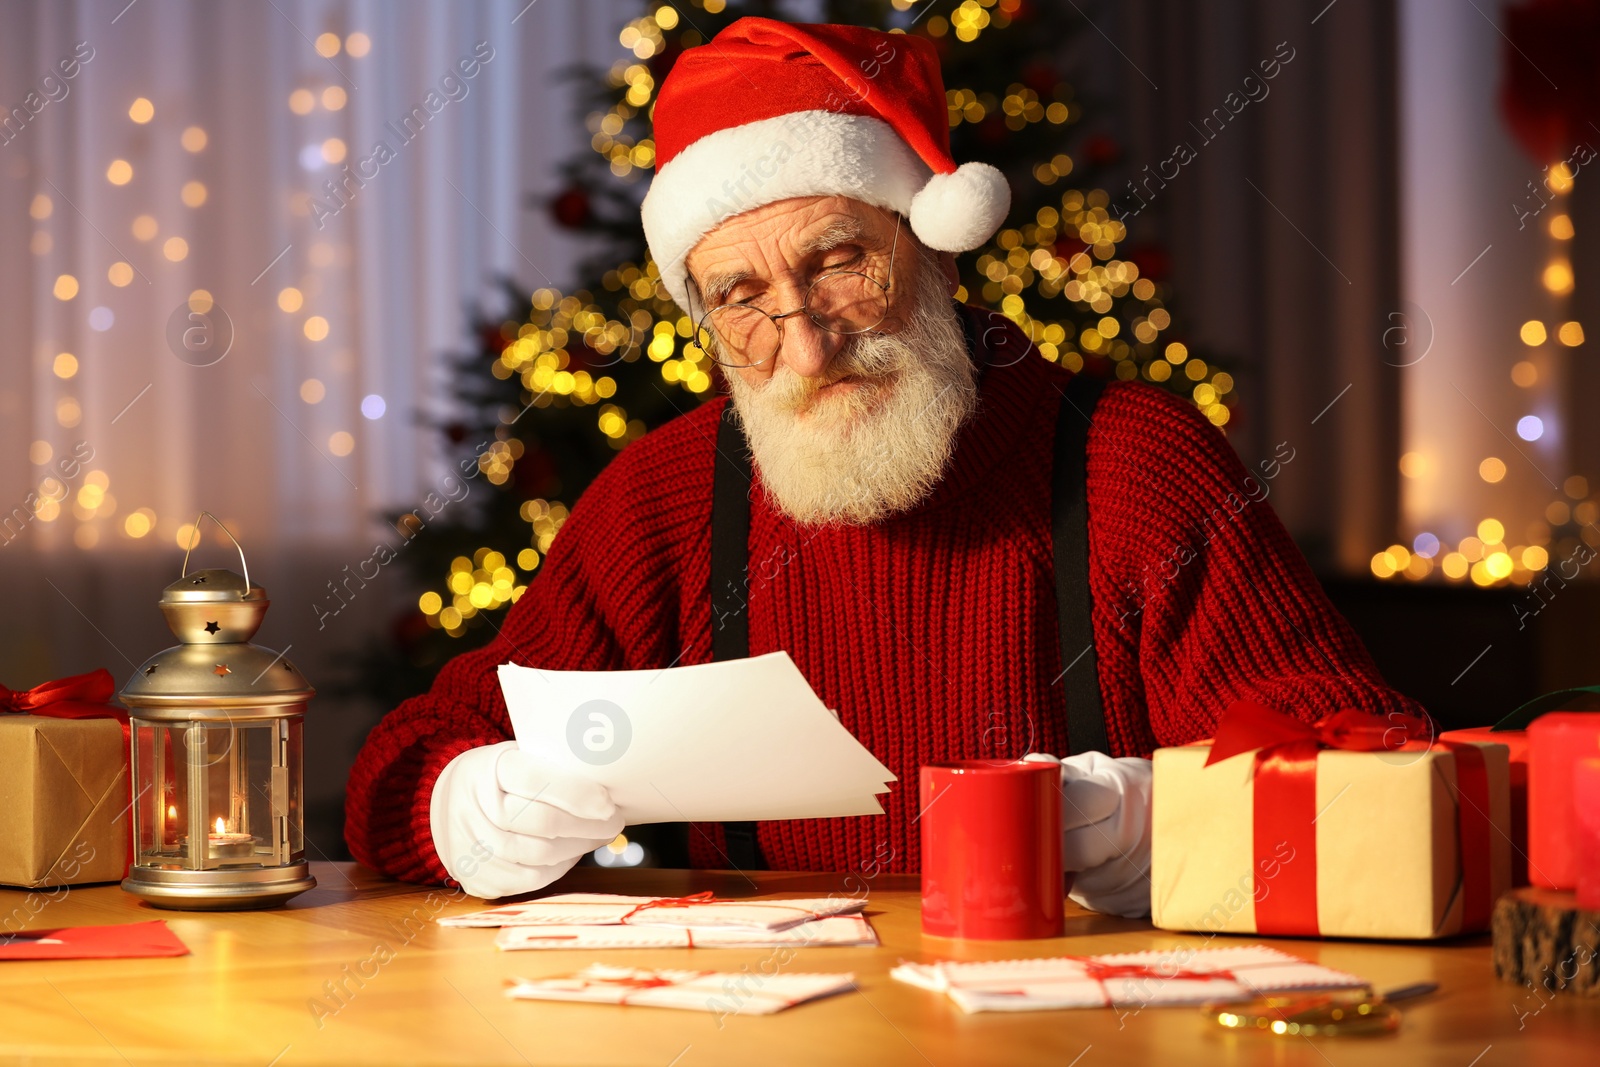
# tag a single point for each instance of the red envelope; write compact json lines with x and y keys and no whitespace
{"x":124,"y":941}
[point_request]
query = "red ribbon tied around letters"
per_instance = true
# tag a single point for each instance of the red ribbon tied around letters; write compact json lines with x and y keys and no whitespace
{"x":1285,"y":833}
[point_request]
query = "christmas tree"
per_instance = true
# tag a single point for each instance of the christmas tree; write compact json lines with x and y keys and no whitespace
{"x":555,"y":389}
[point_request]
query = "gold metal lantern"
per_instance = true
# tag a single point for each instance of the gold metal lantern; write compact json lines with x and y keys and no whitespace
{"x":216,"y":728}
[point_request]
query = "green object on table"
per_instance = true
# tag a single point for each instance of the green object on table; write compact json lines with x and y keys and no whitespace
{"x":1581,"y":698}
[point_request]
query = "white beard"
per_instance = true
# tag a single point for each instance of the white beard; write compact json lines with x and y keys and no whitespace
{"x":876,"y":449}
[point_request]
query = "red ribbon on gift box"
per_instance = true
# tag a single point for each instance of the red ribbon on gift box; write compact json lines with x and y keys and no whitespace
{"x":80,"y":696}
{"x":1286,"y":801}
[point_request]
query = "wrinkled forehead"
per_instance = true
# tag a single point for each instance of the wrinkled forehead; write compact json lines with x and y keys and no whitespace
{"x":781,"y":236}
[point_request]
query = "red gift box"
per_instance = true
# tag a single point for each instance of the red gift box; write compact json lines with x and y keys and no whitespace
{"x":1517,"y":742}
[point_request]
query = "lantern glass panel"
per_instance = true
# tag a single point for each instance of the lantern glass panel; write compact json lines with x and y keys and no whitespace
{"x":233,"y":786}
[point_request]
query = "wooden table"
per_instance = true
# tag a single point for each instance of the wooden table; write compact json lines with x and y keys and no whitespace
{"x":355,"y":972}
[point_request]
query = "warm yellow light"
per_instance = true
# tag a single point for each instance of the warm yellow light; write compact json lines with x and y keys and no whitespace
{"x":119,"y":274}
{"x":341,"y":443}
{"x":1524,"y":373}
{"x":1577,"y":487}
{"x":1491,"y":531}
{"x":1558,"y":277}
{"x":66,"y":287}
{"x":1454,"y":565}
{"x":1414,"y":465}
{"x":334,"y":98}
{"x":1498,"y":565}
{"x":1177,"y":352}
{"x":301,"y":101}
{"x":41,"y":206}
{"x":1382,"y":565}
{"x":290,"y":299}
{"x":316,"y":328}
{"x":328,"y":45}
{"x":40,"y":452}
{"x":137,"y":524}
{"x":144,"y":227}
{"x":430,"y":603}
{"x":68,"y":412}
{"x":193,"y":193}
{"x":312,"y":391}
{"x":1560,"y":178}
{"x":333,"y":150}
{"x":1561,"y":227}
{"x":1492,"y":469}
{"x":1535,"y":558}
{"x":1533,"y":333}
{"x":142,"y":111}
{"x":120,"y":172}
{"x":194,"y":139}
{"x":187,"y":536}
{"x":358,"y":44}
{"x":220,"y":826}
{"x":65,"y":365}
{"x":175,"y":249}
{"x":201,"y":301}
{"x":1571,"y":334}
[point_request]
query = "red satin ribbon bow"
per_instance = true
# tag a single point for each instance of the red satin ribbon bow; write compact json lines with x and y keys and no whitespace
{"x":1285,"y":835}
{"x":48,"y":698}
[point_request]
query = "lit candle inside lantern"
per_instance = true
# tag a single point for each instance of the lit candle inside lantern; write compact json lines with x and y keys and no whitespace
{"x":1556,"y":742}
{"x":169,"y":826}
{"x":1586,"y":805}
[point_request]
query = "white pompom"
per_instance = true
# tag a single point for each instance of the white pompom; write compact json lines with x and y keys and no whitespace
{"x":958,"y":212}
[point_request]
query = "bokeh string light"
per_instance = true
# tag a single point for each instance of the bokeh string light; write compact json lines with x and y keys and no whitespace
{"x":1518,"y":551}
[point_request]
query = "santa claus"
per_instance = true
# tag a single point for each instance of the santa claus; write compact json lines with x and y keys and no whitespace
{"x":967,"y":550}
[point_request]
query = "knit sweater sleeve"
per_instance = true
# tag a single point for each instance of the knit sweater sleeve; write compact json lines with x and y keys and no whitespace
{"x":596,"y":604}
{"x":1211,"y":598}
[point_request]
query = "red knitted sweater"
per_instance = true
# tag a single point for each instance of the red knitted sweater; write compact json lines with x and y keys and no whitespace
{"x":932,"y":633}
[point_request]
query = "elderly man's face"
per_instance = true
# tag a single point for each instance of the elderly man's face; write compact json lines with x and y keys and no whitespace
{"x":843,"y":427}
{"x":769,"y":256}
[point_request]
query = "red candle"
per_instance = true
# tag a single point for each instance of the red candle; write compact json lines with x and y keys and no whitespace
{"x":1586,"y":804}
{"x":1556,"y":742}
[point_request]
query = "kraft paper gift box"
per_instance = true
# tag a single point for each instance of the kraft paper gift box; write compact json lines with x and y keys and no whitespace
{"x":1370,"y":839}
{"x":63,"y":785}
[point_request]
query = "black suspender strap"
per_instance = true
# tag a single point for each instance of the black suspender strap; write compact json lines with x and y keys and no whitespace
{"x":1069,"y":533}
{"x":730,"y":561}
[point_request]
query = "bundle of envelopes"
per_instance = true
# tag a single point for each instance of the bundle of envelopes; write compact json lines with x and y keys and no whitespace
{"x":740,"y":740}
{"x":605,"y":920}
{"x":1129,"y":979}
{"x":724,"y":994}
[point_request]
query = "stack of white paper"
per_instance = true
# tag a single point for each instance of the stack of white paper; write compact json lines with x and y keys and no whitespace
{"x":1128,"y":979}
{"x":840,"y":931}
{"x":726,"y":994}
{"x":741,"y":740}
{"x":606,"y":920}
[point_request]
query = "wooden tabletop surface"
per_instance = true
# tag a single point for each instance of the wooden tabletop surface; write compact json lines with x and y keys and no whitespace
{"x":355,"y":972}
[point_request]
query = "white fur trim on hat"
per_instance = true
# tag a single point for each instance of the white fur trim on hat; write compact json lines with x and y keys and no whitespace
{"x":805,"y":153}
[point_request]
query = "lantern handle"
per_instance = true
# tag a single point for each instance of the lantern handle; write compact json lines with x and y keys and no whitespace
{"x":196,"y":539}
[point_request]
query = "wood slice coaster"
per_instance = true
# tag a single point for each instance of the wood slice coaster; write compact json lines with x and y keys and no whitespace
{"x":1541,"y":937}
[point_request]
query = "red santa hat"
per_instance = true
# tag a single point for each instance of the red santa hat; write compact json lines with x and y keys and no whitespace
{"x":770,"y":110}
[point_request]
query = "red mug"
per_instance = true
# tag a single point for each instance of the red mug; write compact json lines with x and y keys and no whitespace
{"x":991,"y":850}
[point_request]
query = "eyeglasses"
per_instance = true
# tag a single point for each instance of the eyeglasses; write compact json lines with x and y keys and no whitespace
{"x":841,"y":301}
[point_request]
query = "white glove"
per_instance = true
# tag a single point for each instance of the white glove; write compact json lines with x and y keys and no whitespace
{"x":1105,"y":819}
{"x":502,"y":826}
